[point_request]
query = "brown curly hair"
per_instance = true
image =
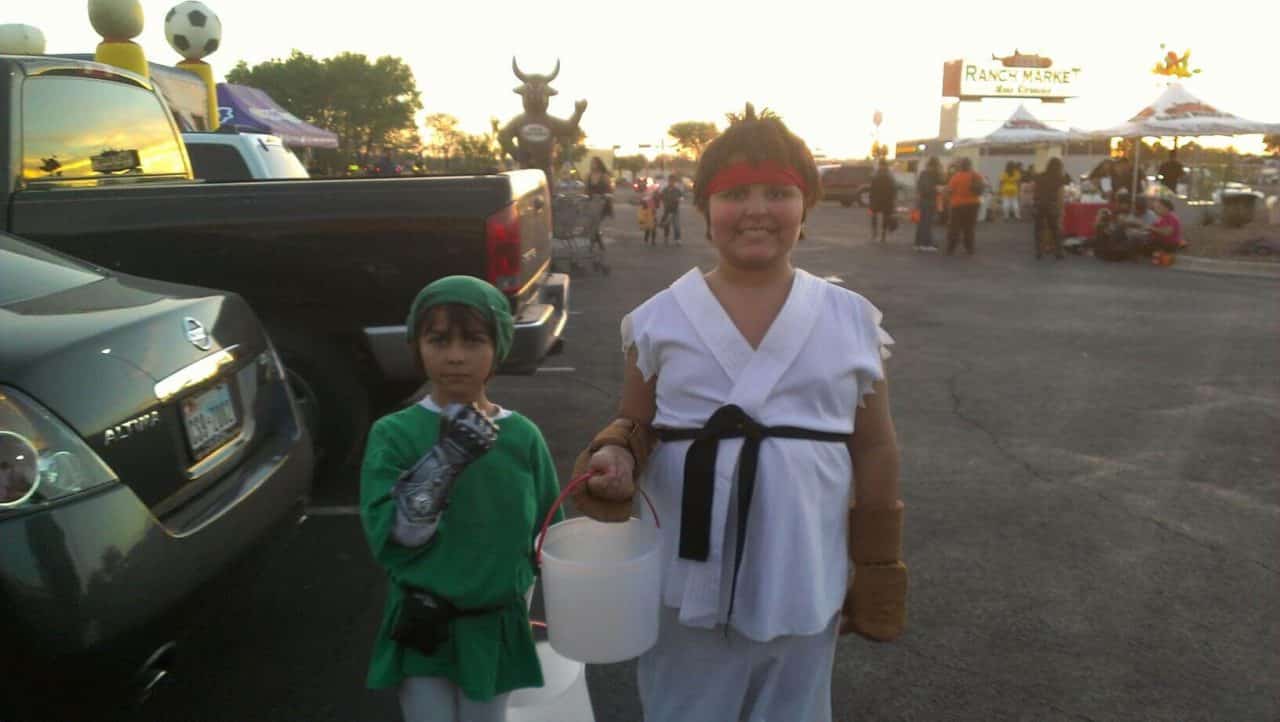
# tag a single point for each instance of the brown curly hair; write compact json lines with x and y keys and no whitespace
{"x":757,"y":138}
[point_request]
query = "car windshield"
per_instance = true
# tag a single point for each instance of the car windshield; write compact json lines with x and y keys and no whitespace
{"x":28,"y":271}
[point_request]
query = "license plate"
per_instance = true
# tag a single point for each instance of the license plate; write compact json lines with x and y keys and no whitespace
{"x":210,"y":419}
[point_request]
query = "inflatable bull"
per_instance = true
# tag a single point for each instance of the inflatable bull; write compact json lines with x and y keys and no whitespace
{"x":530,"y":138}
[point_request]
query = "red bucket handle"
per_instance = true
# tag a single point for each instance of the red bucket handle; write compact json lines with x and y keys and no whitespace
{"x":569,"y":489}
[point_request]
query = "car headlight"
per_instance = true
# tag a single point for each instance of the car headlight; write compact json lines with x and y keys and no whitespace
{"x":41,"y":458}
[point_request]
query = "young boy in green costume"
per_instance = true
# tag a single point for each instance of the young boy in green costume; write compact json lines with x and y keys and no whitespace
{"x":478,"y":562}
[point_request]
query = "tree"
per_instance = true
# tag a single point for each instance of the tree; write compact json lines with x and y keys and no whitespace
{"x":675,"y":164}
{"x":1272,"y":143}
{"x":366,"y":103}
{"x":693,"y":135}
{"x":445,"y":136}
{"x":457,"y":150}
{"x":631,"y":163}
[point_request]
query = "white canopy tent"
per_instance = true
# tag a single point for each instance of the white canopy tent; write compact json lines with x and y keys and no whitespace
{"x":1179,"y":113}
{"x":1176,"y":112}
{"x":1022,"y":128}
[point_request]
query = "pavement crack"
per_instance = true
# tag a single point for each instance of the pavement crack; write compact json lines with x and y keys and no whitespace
{"x":995,"y":680}
{"x":1208,"y":546}
{"x":957,"y":408}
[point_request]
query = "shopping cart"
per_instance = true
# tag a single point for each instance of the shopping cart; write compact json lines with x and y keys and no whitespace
{"x":574,"y":219}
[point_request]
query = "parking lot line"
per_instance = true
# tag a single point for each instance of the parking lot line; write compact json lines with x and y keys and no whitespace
{"x":333,"y":511}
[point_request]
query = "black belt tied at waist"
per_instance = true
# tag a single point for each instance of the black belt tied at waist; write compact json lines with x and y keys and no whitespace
{"x":728,"y":422}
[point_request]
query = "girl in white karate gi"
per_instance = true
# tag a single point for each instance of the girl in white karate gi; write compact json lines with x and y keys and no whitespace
{"x":775,"y":457}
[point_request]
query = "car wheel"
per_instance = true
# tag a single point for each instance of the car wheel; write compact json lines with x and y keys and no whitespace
{"x":326,"y":386}
{"x":846,"y":202}
{"x":864,"y":198}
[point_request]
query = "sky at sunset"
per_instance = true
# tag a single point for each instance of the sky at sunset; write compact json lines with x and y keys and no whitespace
{"x":824,"y":66}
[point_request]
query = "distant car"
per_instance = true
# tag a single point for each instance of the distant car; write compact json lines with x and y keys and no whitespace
{"x":228,"y":156}
{"x":847,"y":184}
{"x":147,"y":440}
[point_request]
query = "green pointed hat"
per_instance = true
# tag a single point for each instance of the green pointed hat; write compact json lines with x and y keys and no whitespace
{"x":474,"y":293}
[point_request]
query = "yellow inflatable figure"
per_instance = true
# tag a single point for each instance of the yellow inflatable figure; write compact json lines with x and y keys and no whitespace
{"x":1175,"y":66}
{"x":118,"y":22}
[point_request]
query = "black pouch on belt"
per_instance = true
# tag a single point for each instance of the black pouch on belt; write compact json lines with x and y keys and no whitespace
{"x":423,"y":620}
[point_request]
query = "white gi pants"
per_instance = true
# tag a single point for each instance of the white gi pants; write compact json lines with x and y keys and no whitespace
{"x":436,"y":699}
{"x":702,"y":675}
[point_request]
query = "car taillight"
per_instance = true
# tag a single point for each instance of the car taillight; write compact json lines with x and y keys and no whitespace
{"x":41,"y":459}
{"x":502,"y":239}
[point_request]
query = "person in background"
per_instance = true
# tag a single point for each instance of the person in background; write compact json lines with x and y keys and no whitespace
{"x":1166,"y":234}
{"x":964,"y":194}
{"x":671,"y":196}
{"x":1048,"y":202}
{"x":599,"y":198}
{"x":927,"y":196}
{"x":1171,"y":172}
{"x":1138,"y":224}
{"x":884,"y":200}
{"x":1102,"y":177}
{"x":646,"y":221}
{"x":1010,"y":185}
{"x":1122,"y":179}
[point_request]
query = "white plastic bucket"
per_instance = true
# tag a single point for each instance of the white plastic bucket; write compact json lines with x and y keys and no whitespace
{"x":600,"y":586}
{"x":563,"y":696}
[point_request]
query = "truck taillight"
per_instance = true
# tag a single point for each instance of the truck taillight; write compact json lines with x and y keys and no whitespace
{"x":502,"y":238}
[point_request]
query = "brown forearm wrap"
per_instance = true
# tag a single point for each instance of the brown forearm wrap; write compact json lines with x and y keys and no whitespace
{"x":876,"y":604}
{"x":631,"y":435}
{"x":875,"y":535}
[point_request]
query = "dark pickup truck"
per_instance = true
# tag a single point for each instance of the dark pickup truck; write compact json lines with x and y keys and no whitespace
{"x":94,"y":165}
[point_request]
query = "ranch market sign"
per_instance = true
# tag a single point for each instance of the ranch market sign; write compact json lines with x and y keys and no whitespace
{"x":1011,"y":76}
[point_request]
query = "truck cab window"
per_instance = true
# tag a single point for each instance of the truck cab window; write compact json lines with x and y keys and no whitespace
{"x":85,"y":132}
{"x":218,"y":163}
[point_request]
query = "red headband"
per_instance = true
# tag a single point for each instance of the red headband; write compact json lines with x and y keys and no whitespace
{"x":769,"y":172}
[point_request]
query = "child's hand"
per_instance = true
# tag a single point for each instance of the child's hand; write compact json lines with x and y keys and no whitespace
{"x":612,"y":468}
{"x":607,"y":494}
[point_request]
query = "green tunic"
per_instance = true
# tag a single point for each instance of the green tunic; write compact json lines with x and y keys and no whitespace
{"x":480,"y":556}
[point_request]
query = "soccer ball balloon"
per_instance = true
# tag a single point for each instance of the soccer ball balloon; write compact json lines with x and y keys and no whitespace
{"x":192,"y":29}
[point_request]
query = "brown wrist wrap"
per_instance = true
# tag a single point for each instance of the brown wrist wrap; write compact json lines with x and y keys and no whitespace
{"x":633,"y":436}
{"x":875,"y":535}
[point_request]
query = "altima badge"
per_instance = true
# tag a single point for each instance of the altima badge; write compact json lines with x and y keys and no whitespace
{"x":124,"y":430}
{"x":196,"y":333}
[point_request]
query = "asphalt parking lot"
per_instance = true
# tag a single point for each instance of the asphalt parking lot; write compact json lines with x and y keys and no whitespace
{"x":1089,"y":467}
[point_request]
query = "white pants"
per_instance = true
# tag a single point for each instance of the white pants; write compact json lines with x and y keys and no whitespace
{"x":436,"y":699}
{"x":1010,"y":206}
{"x":702,"y":675}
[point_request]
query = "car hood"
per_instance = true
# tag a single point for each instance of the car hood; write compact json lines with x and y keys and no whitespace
{"x":94,"y":353}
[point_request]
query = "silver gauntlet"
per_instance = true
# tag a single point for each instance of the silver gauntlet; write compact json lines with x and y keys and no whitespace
{"x":422,"y":492}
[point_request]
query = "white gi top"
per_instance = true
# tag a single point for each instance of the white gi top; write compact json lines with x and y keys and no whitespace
{"x":819,"y":358}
